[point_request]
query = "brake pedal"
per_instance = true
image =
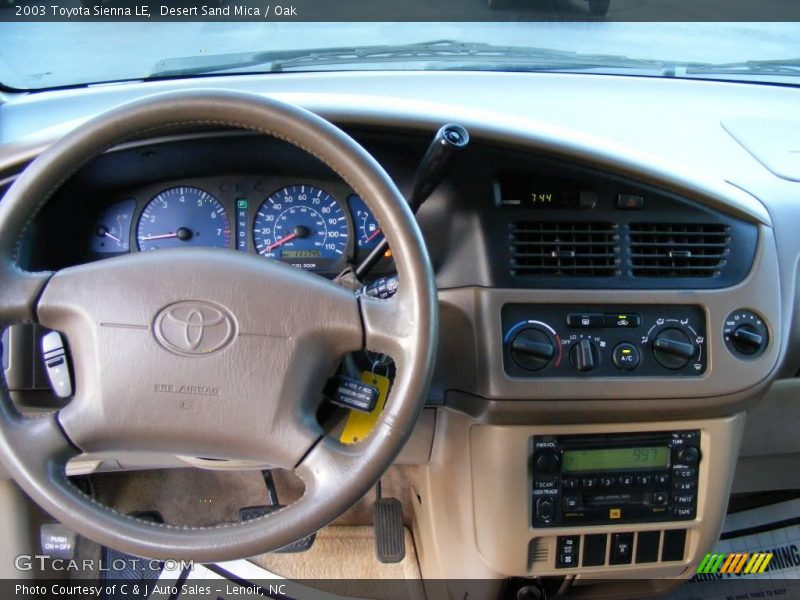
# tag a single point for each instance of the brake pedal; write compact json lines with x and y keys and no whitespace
{"x":390,"y":542}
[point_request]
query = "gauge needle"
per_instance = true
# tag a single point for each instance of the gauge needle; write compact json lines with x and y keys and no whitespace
{"x":163,"y":236}
{"x":280,"y":242}
{"x":374,"y":235}
{"x":113,"y":237}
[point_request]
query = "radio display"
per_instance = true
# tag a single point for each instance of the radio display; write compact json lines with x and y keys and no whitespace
{"x":615,"y":459}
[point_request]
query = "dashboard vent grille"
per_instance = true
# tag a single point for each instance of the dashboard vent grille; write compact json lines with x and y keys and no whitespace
{"x":565,"y":249}
{"x":678,"y":249}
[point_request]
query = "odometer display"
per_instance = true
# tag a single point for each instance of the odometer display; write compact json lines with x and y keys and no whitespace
{"x":183,"y":217}
{"x":302,"y":225}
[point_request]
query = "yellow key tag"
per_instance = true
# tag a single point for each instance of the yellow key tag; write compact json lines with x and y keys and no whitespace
{"x":360,"y":424}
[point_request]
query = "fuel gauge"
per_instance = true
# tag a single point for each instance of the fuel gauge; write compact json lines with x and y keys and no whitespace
{"x":112,"y":229}
{"x":368,"y":232}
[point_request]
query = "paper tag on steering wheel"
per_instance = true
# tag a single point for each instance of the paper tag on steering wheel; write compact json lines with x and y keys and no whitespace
{"x":360,"y":424}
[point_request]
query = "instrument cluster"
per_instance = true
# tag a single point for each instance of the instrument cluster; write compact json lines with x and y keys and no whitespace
{"x":318,"y":226}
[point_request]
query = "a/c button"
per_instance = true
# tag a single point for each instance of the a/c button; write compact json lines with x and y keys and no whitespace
{"x":625,"y":357}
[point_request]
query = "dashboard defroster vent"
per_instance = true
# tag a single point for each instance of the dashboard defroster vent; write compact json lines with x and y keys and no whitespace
{"x":678,"y":249}
{"x":568,"y":249}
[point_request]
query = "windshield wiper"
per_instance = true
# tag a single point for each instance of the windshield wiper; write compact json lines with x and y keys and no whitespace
{"x":464,"y":54}
{"x":789,"y":67}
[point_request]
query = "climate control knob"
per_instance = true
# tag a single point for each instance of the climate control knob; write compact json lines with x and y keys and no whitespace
{"x":673,"y":349}
{"x":584,"y":356}
{"x":532,"y":349}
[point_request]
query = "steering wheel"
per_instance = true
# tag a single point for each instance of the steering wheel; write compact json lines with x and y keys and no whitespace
{"x":242,"y":380}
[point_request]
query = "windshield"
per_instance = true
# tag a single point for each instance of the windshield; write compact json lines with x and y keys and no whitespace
{"x":38,"y":55}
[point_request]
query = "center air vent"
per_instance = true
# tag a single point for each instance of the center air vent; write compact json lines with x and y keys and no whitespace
{"x":567,"y":249}
{"x":678,"y":250}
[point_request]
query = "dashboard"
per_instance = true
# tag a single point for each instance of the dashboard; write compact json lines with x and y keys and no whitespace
{"x":607,"y":279}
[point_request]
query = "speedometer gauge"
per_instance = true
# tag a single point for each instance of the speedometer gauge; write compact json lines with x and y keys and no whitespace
{"x":183,"y":216}
{"x":302,"y":225}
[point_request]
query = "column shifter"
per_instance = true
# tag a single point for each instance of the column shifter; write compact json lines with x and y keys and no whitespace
{"x":448,"y":141}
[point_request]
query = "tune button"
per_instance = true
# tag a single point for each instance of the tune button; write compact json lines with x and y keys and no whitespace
{"x":688,"y":455}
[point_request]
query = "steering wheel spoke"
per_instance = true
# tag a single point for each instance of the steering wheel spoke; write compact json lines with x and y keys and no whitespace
{"x":19,"y":291}
{"x":47,"y":448}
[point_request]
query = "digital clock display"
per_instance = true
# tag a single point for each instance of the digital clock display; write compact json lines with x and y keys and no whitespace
{"x":615,"y":459}
{"x":515,"y":190}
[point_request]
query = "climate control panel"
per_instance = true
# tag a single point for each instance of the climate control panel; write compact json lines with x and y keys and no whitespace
{"x":551,"y":340}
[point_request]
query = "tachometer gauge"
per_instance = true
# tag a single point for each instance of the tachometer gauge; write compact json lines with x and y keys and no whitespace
{"x":302,"y":225}
{"x":368,"y":232}
{"x":181,"y":217}
{"x":112,"y":230}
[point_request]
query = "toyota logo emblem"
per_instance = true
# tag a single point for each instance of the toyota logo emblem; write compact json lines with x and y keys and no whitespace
{"x":194,"y":328}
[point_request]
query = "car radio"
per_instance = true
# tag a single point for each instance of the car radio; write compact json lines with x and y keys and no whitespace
{"x":601,"y":479}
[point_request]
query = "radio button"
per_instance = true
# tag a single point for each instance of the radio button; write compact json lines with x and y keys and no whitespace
{"x":685,"y":486}
{"x":626,"y":480}
{"x":644,"y":479}
{"x":607,"y":482}
{"x":589,"y":482}
{"x":662,"y":478}
{"x":685,"y":473}
{"x":571,"y":483}
{"x":684,"y":499}
{"x":660,"y":498}
{"x":547,"y":461}
{"x":545,"y":509}
{"x":685,"y":512}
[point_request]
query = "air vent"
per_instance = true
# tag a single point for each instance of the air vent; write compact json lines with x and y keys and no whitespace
{"x":678,"y":250}
{"x":567,"y":249}
{"x":539,"y":551}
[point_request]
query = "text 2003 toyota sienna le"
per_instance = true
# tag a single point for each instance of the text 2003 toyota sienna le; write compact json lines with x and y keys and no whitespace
{"x":431,"y":300}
